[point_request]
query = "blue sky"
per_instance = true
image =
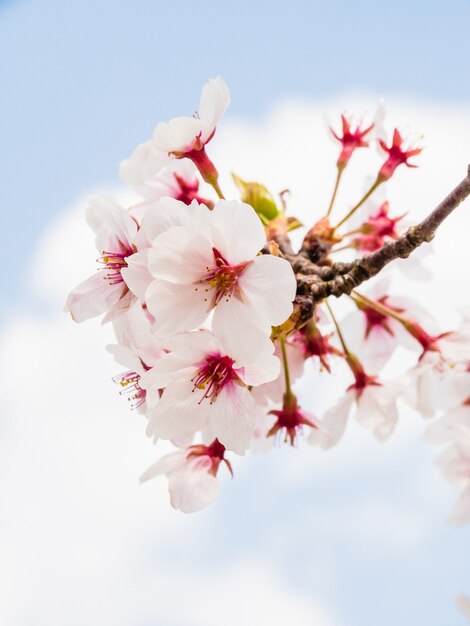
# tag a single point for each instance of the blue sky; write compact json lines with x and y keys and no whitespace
{"x":82,"y":83}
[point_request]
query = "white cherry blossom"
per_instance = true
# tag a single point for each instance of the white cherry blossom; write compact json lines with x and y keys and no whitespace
{"x":220,"y":270}
{"x":106,"y":291}
{"x":180,"y":137}
{"x":205,"y":391}
{"x":192,"y":475}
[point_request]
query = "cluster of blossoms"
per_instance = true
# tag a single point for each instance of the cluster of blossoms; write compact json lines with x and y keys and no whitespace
{"x":207,"y":299}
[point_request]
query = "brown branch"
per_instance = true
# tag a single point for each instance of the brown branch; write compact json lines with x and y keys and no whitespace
{"x":318,"y":283}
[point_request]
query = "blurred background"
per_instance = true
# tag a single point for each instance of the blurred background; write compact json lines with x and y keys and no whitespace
{"x":353,"y":537}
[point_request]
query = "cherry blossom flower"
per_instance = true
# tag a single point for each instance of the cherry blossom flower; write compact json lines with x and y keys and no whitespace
{"x":204,"y":390}
{"x":220,"y":270}
{"x":375,"y":408}
{"x":177,"y":180}
{"x":106,"y":291}
{"x":397,"y":155}
{"x":138,"y":350}
{"x":192,"y":475}
{"x":181,"y":137}
{"x":350,"y":140}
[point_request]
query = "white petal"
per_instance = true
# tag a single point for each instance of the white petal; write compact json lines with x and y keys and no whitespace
{"x":192,"y":488}
{"x":234,"y":324}
{"x":136,"y":275}
{"x":166,"y":370}
{"x":232,"y":418}
{"x":269,"y":284}
{"x":266,"y":368}
{"x":115,"y":229}
{"x":94,"y":296}
{"x":180,"y":412}
{"x":215,"y":99}
{"x":167,"y":212}
{"x":176,"y":308}
{"x":194,"y":346}
{"x":144,"y":162}
{"x":126,"y":357}
{"x":331,"y":428}
{"x":377,"y":411}
{"x":165,"y":465}
{"x":177,"y":135}
{"x":237,"y":232}
{"x":181,"y":256}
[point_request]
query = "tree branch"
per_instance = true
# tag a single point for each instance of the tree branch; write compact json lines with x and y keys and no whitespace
{"x":318,"y":283}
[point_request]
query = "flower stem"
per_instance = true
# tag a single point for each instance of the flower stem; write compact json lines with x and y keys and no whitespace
{"x":288,"y":393}
{"x":335,"y":189}
{"x":338,"y":330}
{"x":379,"y":307}
{"x":218,"y":191}
{"x":365,"y":197}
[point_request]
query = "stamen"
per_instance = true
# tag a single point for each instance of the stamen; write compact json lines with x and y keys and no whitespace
{"x":223,"y":278}
{"x":215,"y":372}
{"x":114,"y":262}
{"x":129,"y":383}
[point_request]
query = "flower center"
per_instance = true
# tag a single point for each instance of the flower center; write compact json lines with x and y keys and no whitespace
{"x":223,"y":278}
{"x":129,"y":383}
{"x":212,"y":376}
{"x":113,"y":262}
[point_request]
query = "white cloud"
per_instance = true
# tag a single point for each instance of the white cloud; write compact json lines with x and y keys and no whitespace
{"x":82,"y":542}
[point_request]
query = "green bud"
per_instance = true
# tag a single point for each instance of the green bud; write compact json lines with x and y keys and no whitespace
{"x":257,"y":196}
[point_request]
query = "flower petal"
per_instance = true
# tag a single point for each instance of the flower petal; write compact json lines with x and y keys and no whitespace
{"x":136,"y":275}
{"x":94,"y":296}
{"x":237,"y":232}
{"x":180,"y":412}
{"x":269,"y":283}
{"x":177,"y":135}
{"x":176,"y":308}
{"x":215,"y":99}
{"x":232,"y":418}
{"x":240,"y":331}
{"x":146,"y":160}
{"x":180,"y":256}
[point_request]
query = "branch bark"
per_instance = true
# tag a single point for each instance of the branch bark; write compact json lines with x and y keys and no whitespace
{"x":319,"y":282}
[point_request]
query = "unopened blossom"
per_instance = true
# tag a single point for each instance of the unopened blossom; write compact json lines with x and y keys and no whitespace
{"x":107,"y":291}
{"x":181,"y":137}
{"x":219,"y":269}
{"x":350,"y":139}
{"x":192,"y":475}
{"x":204,"y":390}
{"x":397,"y":154}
